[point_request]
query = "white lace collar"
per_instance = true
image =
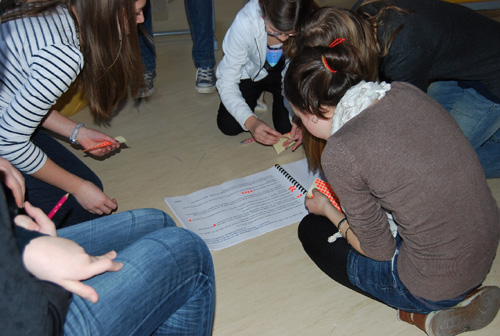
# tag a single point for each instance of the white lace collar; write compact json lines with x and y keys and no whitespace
{"x":356,"y":100}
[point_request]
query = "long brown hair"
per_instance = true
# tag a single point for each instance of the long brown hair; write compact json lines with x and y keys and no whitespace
{"x":108,"y":42}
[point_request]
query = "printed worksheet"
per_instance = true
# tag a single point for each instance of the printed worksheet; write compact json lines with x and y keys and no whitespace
{"x":247,"y":207}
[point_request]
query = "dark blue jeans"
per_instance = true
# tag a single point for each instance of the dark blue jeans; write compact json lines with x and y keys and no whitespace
{"x":45,"y":196}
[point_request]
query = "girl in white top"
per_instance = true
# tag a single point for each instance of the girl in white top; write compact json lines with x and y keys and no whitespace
{"x":255,"y":49}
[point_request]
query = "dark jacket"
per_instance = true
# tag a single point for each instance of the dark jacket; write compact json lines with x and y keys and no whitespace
{"x":440,"y":41}
{"x":27,"y":306}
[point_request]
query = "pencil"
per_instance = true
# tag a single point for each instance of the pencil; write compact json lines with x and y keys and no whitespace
{"x":58,"y":205}
{"x":247,"y":141}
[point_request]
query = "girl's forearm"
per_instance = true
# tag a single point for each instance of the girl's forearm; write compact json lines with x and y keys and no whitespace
{"x":58,"y":123}
{"x":54,"y":175}
{"x":335,"y":217}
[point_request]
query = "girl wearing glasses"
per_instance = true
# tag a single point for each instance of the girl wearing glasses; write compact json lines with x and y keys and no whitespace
{"x":255,"y":48}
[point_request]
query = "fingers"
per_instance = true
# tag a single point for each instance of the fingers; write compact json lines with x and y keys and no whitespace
{"x":18,"y":188}
{"x":296,"y":145}
{"x":81,"y":289}
{"x":105,"y":150}
{"x":84,"y":290}
{"x":105,"y":263}
{"x":14,"y":180}
{"x":115,"y":265}
{"x":34,"y":212}
{"x":98,"y":265}
{"x":44,"y":223}
{"x":94,"y":200}
{"x":273,"y":133}
{"x":89,"y":138}
{"x":262,"y":132}
{"x":26,"y":223}
{"x":266,"y":135}
{"x":107,"y":207}
{"x":287,"y":142}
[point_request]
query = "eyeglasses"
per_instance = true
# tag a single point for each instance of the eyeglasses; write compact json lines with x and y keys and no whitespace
{"x":277,"y":35}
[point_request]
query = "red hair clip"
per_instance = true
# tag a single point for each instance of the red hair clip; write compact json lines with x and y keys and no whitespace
{"x":333,"y":44}
{"x":325,"y":63}
{"x":336,"y":42}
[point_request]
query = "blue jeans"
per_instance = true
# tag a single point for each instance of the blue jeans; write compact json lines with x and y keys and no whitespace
{"x":380,"y":279}
{"x":148,"y":50}
{"x":166,"y":285}
{"x":45,"y":196}
{"x":477,"y":116}
{"x":201,"y":22}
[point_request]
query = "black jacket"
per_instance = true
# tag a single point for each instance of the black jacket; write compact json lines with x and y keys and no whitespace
{"x":440,"y":41}
{"x":27,"y":306}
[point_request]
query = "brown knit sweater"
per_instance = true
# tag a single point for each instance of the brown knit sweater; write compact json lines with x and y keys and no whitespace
{"x":406,"y":154}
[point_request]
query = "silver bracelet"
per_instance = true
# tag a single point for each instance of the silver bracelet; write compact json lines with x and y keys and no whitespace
{"x":72,"y":138}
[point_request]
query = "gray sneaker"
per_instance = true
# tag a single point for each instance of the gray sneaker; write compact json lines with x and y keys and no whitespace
{"x":205,"y":80}
{"x":475,"y":312}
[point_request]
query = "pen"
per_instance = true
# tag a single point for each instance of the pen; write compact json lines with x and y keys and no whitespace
{"x":101,"y":145}
{"x":119,"y":139}
{"x":58,"y":205}
{"x":247,"y":141}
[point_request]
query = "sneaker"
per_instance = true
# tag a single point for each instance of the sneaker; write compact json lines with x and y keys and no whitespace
{"x":476,"y":311}
{"x":148,"y":88}
{"x":205,"y":80}
{"x":473,"y":313}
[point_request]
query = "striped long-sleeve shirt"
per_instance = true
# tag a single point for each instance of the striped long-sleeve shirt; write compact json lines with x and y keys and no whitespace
{"x":39,"y":58}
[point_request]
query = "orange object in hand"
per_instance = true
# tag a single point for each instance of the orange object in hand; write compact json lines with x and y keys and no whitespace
{"x":120,"y":139}
{"x":101,"y":145}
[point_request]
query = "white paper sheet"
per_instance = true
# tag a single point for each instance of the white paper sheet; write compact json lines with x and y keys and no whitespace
{"x":244,"y":208}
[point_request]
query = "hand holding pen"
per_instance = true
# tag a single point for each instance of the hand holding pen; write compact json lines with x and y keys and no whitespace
{"x":89,"y":138}
{"x":120,"y":139}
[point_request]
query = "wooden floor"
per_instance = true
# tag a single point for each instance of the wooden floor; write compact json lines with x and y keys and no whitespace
{"x":266,"y":286}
